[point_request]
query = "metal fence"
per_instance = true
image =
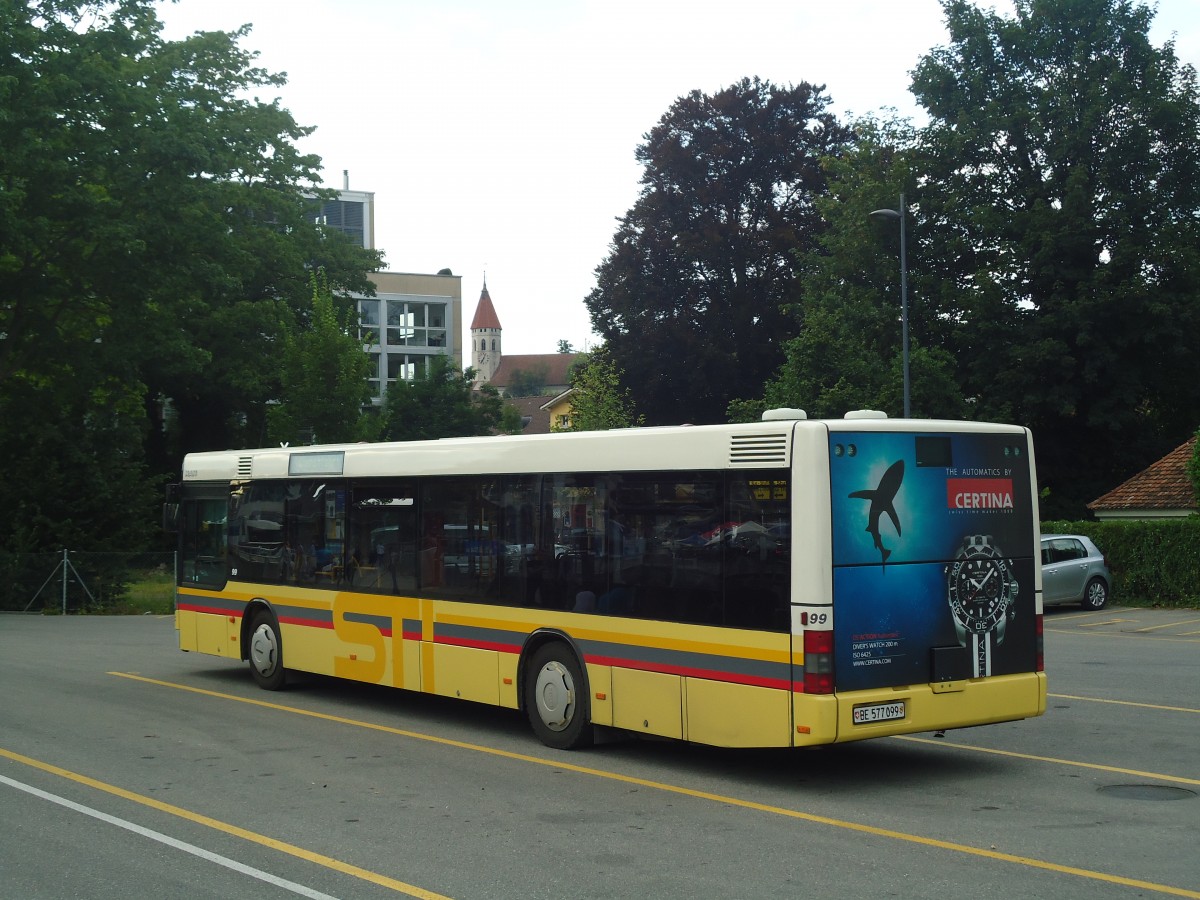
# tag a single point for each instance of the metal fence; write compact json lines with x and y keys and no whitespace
{"x":76,"y":581}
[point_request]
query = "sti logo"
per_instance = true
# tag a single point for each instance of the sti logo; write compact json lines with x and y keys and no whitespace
{"x":979,"y":493}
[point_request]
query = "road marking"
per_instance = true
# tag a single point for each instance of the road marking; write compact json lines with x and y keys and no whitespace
{"x":1183,"y":709}
{"x":1105,"y":622}
{"x":1121,"y":634}
{"x":940,"y":742}
{"x":1083,"y":615}
{"x":290,"y":849}
{"x":208,"y":855}
{"x":696,"y":794}
{"x":1168,"y":625}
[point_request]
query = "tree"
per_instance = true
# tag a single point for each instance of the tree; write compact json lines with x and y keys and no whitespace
{"x":154,"y":244}
{"x":847,"y":352}
{"x":564,"y":346}
{"x":440,"y":402}
{"x":1063,"y":181}
{"x":324,"y":375}
{"x":690,"y":299}
{"x":528,"y":382}
{"x":598,"y":402}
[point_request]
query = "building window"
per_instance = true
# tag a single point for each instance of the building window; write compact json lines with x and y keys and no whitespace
{"x":401,"y":332}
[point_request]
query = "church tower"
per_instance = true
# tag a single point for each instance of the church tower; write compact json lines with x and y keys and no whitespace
{"x":485,"y":338}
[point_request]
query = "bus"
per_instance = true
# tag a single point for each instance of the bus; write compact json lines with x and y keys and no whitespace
{"x":783,"y":583}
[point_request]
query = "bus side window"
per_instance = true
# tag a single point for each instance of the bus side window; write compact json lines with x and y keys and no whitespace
{"x":381,"y":551}
{"x":757,"y":545}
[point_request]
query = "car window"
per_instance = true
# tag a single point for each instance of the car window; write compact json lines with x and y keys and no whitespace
{"x":1064,"y":549}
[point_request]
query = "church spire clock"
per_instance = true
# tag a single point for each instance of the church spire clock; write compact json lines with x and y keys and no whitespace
{"x":485,"y":338}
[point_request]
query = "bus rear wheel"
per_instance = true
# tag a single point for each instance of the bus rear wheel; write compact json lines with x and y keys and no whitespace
{"x":265,"y":652}
{"x":556,"y":698}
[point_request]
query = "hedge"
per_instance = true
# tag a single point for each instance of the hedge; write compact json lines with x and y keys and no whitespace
{"x":1155,"y":563}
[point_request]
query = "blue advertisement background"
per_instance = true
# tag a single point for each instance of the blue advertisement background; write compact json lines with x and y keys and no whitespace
{"x":889,"y":614}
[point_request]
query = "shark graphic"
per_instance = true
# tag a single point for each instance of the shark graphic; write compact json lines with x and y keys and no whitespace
{"x":883,"y":501}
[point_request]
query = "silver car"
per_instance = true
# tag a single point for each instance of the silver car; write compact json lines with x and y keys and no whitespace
{"x":1074,"y":571}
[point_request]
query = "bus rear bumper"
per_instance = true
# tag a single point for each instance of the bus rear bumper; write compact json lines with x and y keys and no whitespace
{"x":939,"y":707}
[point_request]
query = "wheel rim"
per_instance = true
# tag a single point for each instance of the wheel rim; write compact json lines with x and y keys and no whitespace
{"x":264,"y":650}
{"x":1096,"y":594}
{"x":554,"y":694}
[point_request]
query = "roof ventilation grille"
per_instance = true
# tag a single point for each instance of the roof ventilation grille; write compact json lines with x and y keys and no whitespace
{"x":245,"y":467}
{"x":758,"y":450}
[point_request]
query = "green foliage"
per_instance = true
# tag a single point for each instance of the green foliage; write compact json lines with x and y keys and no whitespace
{"x":690,"y":299}
{"x":1059,"y":189}
{"x":440,"y":402}
{"x":598,"y":401}
{"x":528,"y":382}
{"x":324,"y":375}
{"x":848,"y":350}
{"x":564,"y":346}
{"x":1154,"y":563}
{"x":154,"y":246}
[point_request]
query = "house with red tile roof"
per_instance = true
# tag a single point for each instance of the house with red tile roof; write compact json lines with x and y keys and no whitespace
{"x":1160,"y":491}
{"x":551,"y":370}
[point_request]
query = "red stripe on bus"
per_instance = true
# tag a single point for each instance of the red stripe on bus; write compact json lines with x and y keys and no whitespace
{"x":478,"y":645}
{"x":710,"y":674}
{"x":307,"y":623}
{"x":210,"y":610}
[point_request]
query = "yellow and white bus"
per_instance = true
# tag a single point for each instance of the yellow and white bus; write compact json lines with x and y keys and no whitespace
{"x":787,"y":582}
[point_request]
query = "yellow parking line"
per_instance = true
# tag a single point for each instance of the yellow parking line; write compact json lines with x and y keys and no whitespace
{"x":1083,"y":615}
{"x":558,"y":764}
{"x":1157,"y":776}
{"x":1178,"y":639}
{"x":1168,"y":625}
{"x":1182,"y":709}
{"x":290,"y":849}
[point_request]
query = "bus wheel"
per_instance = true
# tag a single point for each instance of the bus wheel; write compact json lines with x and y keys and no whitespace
{"x":266,"y":652}
{"x":556,"y":698}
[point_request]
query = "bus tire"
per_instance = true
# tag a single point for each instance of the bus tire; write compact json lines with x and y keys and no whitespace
{"x":265,"y":652}
{"x":556,"y":698}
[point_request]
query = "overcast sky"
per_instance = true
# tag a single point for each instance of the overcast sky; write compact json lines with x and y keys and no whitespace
{"x":499,"y":137}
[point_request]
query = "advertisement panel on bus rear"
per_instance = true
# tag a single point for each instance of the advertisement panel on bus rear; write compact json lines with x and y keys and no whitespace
{"x":933,"y":548}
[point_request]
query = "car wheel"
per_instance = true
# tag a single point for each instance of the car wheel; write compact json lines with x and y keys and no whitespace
{"x":1095,"y":595}
{"x":556,"y":698}
{"x":265,"y":653}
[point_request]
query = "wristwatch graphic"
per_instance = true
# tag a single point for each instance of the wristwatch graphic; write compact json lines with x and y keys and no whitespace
{"x":981,"y":589}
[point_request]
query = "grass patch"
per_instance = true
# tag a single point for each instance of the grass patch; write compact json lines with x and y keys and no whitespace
{"x":150,"y":593}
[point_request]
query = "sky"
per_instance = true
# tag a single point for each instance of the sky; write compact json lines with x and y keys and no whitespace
{"x":499,"y":137}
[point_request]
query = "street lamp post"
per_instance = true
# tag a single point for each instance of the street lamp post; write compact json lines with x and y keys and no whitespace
{"x":899,"y":214}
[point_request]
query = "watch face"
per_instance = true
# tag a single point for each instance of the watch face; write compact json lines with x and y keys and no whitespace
{"x":980,"y":591}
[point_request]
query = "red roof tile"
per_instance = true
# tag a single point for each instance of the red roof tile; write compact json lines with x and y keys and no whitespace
{"x":1163,"y":485}
{"x":485,"y":313}
{"x":556,"y":366}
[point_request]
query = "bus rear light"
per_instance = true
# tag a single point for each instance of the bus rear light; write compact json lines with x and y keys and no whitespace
{"x":1041,"y":658}
{"x":818,"y":662}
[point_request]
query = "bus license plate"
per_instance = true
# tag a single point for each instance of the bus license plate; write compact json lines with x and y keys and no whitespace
{"x":878,"y":712}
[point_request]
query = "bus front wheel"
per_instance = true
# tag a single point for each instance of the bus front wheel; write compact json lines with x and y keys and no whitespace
{"x":556,"y":698}
{"x":266,"y":652}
